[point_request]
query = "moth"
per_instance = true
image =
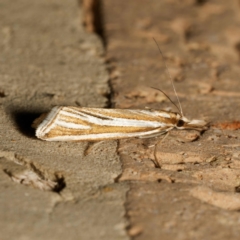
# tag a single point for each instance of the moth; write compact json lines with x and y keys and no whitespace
{"x":94,"y":124}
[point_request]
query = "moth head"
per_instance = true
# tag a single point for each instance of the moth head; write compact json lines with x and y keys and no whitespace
{"x":184,"y":123}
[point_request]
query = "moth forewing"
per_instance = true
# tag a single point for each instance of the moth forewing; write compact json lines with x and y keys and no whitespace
{"x":76,"y":124}
{"x":94,"y":124}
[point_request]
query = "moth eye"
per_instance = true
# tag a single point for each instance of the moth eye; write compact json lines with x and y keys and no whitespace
{"x":180,"y":123}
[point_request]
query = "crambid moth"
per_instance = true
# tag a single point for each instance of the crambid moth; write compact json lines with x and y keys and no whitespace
{"x":94,"y":124}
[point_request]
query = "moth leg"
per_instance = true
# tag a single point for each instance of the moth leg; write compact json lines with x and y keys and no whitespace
{"x":155,"y":161}
{"x":153,"y":135}
{"x":162,"y":131}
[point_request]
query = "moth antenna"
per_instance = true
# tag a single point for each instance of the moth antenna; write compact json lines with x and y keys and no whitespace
{"x":169,"y":75}
{"x":167,"y":98}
